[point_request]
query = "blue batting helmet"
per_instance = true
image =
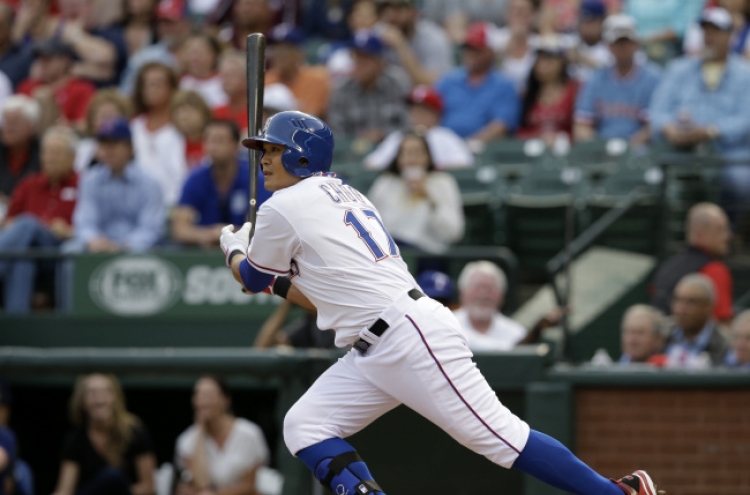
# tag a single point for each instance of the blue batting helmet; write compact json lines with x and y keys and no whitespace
{"x":308,"y":141}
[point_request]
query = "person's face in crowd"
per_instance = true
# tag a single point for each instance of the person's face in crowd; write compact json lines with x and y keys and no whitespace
{"x":590,"y":30}
{"x":413,"y":157}
{"x":233,"y":78}
{"x":477,"y":60}
{"x":200,"y":59}
{"x":398,"y":14}
{"x":623,"y":50}
{"x":482,"y":297}
{"x":520,"y":15}
{"x":16,"y":130}
{"x":137,"y":8}
{"x":367,"y":68}
{"x":691,"y":307}
{"x":741,"y":341}
{"x":639,"y":338}
{"x":219,"y":144}
{"x":251,"y":12}
{"x":274,"y":174}
{"x":104,"y":112}
{"x":98,"y":399}
{"x":157,"y":91}
{"x":52,"y":68}
{"x":716,"y":234}
{"x":189,"y":120}
{"x":423,"y":116}
{"x":286,"y":56}
{"x":115,"y":154}
{"x":171,"y":32}
{"x":364,"y":15}
{"x":209,"y":403}
{"x":57,"y":158}
{"x":716,"y":41}
{"x":549,"y":68}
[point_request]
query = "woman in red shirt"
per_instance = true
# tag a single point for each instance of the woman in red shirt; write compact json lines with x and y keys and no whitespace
{"x":550,"y":97}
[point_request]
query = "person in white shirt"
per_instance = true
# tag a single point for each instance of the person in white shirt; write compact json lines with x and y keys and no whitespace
{"x":482,"y":287}
{"x":420,"y":206}
{"x":448,"y":149}
{"x":219,"y":453}
{"x":515,"y":44}
{"x":202,"y":51}
{"x":155,"y":138}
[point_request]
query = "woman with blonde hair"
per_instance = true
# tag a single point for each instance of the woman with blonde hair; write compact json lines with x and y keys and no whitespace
{"x":109,"y":451}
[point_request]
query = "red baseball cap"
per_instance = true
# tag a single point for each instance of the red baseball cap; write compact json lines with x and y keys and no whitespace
{"x":427,"y":96}
{"x":477,"y":36}
{"x":174,"y":10}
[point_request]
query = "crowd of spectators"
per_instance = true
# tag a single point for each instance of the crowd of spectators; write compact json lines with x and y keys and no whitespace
{"x":154,"y":93}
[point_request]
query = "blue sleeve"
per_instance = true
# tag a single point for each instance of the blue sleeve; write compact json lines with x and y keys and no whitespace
{"x":151,"y":219}
{"x":85,"y":215}
{"x":507,"y":105}
{"x":585,"y":101}
{"x":664,"y":101}
{"x":734,"y":129}
{"x":252,"y":279}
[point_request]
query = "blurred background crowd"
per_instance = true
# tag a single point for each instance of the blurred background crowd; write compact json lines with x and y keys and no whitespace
{"x":121,"y":120}
{"x":120,"y":124}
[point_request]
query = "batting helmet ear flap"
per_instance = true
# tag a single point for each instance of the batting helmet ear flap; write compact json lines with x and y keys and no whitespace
{"x":308,"y":142}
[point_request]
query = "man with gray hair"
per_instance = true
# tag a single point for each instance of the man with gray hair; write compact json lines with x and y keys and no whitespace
{"x":643,"y":333}
{"x":39,"y":215}
{"x":482,"y":287}
{"x":695,"y":333}
{"x":19,"y":147}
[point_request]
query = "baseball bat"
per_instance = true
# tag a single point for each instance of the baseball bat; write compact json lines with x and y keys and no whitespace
{"x":256,"y":75}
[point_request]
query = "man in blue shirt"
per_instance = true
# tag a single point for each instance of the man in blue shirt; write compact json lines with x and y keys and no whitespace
{"x":705,"y":100}
{"x":216,"y":194}
{"x":739,"y":355}
{"x":119,"y":208}
{"x":614,"y":103}
{"x":480,"y":104}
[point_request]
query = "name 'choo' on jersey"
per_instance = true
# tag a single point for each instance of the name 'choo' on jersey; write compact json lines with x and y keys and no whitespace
{"x":330,"y":239}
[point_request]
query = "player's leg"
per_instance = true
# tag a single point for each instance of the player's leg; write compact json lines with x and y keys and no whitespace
{"x":445,"y":386}
{"x":339,"y":404}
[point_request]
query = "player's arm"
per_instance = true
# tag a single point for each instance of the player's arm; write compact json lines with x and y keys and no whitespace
{"x":254,"y":281}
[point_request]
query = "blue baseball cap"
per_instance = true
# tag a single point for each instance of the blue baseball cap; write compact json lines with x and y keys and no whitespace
{"x":117,"y":129}
{"x":593,"y":9}
{"x":435,"y":284}
{"x":368,"y":43}
{"x":287,"y":33}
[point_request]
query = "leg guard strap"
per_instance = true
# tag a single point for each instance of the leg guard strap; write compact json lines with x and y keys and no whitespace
{"x":340,"y":480}
{"x":339,"y":468}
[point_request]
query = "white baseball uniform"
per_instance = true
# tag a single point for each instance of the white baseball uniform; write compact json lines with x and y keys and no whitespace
{"x":330,"y":240}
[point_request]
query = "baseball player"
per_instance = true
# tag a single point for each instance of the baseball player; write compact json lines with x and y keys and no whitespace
{"x":320,"y":243}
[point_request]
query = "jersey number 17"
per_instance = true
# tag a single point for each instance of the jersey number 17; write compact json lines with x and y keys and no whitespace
{"x":351,"y":219}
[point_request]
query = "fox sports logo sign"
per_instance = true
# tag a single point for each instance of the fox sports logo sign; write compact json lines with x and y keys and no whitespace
{"x":136,"y":285}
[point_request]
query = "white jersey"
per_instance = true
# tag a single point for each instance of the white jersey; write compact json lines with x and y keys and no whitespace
{"x":330,"y":240}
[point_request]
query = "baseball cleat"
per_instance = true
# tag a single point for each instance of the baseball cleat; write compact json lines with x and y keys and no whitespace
{"x":638,"y":483}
